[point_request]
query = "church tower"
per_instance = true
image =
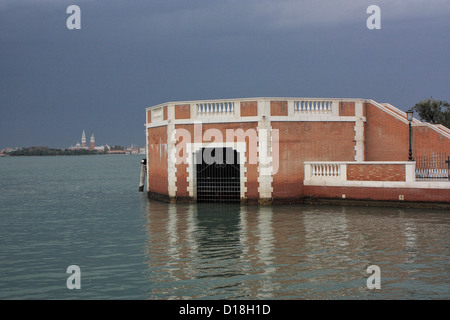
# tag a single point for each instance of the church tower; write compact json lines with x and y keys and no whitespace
{"x":83,"y":140}
{"x":92,"y":141}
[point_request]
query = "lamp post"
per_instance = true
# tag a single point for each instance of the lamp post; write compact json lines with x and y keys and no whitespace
{"x":409,"y":115}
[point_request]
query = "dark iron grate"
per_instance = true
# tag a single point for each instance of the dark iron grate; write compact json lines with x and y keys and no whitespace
{"x":218,"y":175}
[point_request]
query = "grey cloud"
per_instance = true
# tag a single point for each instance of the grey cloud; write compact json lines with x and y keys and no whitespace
{"x":132,"y":54}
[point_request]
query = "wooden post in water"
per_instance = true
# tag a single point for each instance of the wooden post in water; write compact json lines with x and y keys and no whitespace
{"x":143,"y":171}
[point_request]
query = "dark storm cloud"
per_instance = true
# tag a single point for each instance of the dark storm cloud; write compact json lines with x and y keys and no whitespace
{"x":128,"y":55}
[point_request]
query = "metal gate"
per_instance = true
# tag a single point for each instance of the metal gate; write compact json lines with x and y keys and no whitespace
{"x":218,"y":175}
{"x":435,"y":166}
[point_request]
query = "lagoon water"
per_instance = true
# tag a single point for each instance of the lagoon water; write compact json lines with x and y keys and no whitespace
{"x":87,"y":211}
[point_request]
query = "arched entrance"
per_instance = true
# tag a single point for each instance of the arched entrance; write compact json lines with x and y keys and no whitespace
{"x":218,"y":175}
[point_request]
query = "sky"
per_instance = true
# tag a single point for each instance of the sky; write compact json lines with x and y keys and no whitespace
{"x":128,"y":55}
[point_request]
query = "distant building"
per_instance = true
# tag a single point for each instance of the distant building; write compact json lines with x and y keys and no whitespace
{"x":92,"y":146}
{"x":6,"y":150}
{"x":135,"y":150}
{"x":83,"y":140}
{"x":83,"y":144}
{"x":105,"y":148}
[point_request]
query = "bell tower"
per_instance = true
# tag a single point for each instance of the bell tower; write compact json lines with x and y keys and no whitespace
{"x":92,"y":141}
{"x":83,"y":140}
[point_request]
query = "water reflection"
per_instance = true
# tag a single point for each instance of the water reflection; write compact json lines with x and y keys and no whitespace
{"x":257,"y":239}
{"x":293,"y":252}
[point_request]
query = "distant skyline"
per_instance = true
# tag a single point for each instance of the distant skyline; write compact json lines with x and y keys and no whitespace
{"x":91,"y":135}
{"x":129,"y":55}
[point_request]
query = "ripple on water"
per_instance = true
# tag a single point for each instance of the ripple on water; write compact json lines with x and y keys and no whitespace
{"x":86,"y":211}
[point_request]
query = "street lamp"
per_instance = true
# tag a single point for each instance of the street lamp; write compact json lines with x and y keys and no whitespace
{"x":409,"y":116}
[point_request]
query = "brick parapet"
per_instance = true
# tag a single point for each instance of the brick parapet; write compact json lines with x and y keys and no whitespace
{"x":376,"y":172}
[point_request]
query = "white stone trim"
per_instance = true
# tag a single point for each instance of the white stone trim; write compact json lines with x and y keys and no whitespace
{"x":335,"y":108}
{"x":379,"y":184}
{"x":171,"y":161}
{"x":237,"y":110}
{"x":171,"y":153}
{"x":291,"y":108}
{"x":410,"y":172}
{"x":157,"y":114}
{"x":265,"y":168}
{"x":388,"y":110}
{"x":397,"y":110}
{"x":314,"y":117}
{"x":155,"y":125}
{"x":294,"y":118}
{"x":359,"y":132}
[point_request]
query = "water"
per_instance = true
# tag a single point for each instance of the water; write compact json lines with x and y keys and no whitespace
{"x":87,"y":211}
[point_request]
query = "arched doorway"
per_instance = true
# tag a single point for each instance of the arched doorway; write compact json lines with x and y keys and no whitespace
{"x":218,"y":175}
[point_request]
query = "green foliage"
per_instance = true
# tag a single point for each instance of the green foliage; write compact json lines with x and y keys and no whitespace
{"x":45,"y":151}
{"x":117,"y":147}
{"x":433,"y":111}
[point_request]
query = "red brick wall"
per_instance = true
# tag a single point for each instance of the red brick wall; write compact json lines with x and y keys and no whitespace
{"x":386,"y":138}
{"x":376,"y":172}
{"x":379,"y":194}
{"x":165,"y":113}
{"x":183,"y":111}
{"x":249,"y":109}
{"x":426,"y":141}
{"x":278,"y":108}
{"x":157,"y":160}
{"x":309,"y":141}
{"x":149,"y":116}
{"x":347,"y":109}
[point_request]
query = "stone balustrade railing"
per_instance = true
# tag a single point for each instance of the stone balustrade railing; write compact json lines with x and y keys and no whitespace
{"x":390,"y":174}
{"x":281,"y":109}
{"x":360,"y":171}
{"x":303,"y":106}
{"x":325,"y":170}
{"x":215,"y":108}
{"x":313,"y":106}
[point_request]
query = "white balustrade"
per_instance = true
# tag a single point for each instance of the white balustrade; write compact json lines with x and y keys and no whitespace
{"x":215,"y":108}
{"x":313,"y":106}
{"x":325,"y":170}
{"x":324,"y":173}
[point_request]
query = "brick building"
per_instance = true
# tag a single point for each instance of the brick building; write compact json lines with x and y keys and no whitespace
{"x":92,"y":142}
{"x":285,"y":150}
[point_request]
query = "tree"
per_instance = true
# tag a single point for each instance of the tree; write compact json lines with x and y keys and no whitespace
{"x":433,"y":111}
